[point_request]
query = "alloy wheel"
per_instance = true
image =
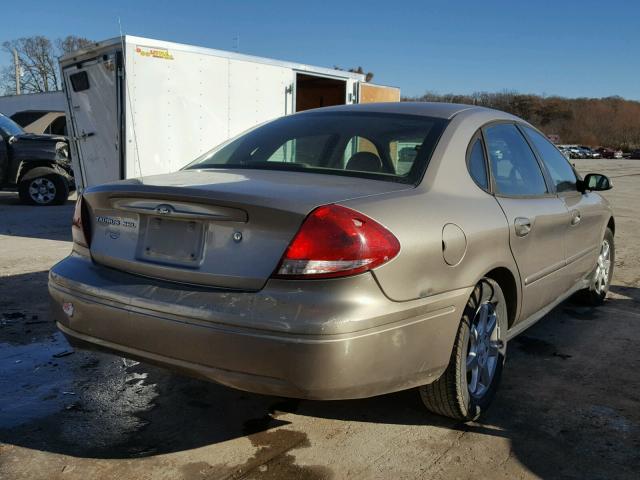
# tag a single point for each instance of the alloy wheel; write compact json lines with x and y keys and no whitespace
{"x":483,"y":351}
{"x":42,"y":190}
{"x":601,"y":277}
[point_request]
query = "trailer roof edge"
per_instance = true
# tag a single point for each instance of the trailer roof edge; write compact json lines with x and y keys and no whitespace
{"x":83,"y":53}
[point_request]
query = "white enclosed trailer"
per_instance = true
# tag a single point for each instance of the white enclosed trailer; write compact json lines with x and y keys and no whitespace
{"x":140,"y":107}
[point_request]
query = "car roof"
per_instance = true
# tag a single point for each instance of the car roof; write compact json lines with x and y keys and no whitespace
{"x":427,"y":109}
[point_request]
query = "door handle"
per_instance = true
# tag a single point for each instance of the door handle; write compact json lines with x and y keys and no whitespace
{"x":522,"y":226}
{"x":576,"y":217}
{"x":84,"y":136}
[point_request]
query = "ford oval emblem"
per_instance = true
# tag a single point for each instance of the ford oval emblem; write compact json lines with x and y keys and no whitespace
{"x":163,"y":209}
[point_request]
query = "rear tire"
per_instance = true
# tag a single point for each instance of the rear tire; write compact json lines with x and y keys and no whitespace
{"x":600,"y":277}
{"x":48,"y":187}
{"x":468,"y":385}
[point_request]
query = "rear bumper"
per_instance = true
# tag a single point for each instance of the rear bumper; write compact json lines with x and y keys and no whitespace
{"x":347,"y":340}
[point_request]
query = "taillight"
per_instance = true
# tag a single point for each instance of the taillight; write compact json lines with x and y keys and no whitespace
{"x":80,"y":230}
{"x":336,"y":241}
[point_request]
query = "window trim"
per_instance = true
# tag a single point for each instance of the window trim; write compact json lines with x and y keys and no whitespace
{"x":549,"y":185}
{"x":479,"y":136}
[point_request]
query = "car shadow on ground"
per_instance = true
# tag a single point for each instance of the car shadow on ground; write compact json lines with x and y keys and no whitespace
{"x":563,"y":409}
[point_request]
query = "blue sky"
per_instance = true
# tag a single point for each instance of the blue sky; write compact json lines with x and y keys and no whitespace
{"x":569,"y":48}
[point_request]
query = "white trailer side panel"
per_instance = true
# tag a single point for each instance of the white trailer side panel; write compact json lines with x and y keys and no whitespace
{"x":180,"y":104}
{"x":257,"y":93}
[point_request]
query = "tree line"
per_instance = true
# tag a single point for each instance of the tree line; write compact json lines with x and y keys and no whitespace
{"x":610,"y":122}
{"x":37,"y":63}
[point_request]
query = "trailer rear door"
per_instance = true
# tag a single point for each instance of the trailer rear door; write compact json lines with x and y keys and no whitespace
{"x":371,"y":93}
{"x":93,"y":97}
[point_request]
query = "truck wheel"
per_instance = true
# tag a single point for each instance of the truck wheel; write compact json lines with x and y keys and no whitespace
{"x":601,"y":275}
{"x":468,"y":385}
{"x":44,"y":187}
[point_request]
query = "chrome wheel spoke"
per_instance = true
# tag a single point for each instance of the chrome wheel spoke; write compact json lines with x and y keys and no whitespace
{"x":473,"y":383}
{"x":472,"y":360}
{"x":474,"y":336}
{"x":491,"y":324}
{"x":482,"y":321}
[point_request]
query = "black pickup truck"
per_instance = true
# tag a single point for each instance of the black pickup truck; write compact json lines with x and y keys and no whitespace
{"x":38,"y":165}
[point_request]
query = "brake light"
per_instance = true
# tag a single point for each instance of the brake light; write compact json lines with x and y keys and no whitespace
{"x":336,"y":241}
{"x":80,"y":230}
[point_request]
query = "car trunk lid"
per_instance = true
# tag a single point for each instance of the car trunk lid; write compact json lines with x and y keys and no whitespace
{"x":221,"y":228}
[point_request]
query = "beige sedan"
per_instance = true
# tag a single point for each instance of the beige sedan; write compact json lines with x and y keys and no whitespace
{"x":341,"y":253}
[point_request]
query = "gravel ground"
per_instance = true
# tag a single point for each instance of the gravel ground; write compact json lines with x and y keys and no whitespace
{"x":567,"y":406}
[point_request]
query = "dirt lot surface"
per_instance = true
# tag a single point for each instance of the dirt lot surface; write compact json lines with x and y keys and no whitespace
{"x":568,"y":407}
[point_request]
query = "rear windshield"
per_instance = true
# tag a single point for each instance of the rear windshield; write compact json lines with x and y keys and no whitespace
{"x":371,"y":145}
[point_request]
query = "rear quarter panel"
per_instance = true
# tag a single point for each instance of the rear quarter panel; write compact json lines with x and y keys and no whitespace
{"x":447,"y":195}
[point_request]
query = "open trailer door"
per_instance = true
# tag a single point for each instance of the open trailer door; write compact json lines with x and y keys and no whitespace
{"x":371,"y":93}
{"x":94,"y":107}
{"x":316,"y":91}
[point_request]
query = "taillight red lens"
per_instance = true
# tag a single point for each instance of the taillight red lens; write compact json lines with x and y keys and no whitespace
{"x":336,"y":241}
{"x":80,"y":230}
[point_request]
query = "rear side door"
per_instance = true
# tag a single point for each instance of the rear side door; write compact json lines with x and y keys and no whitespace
{"x":537,"y":218}
{"x":587,"y":215}
{"x":94,"y":103}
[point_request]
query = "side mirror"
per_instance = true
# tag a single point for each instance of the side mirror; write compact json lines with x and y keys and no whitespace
{"x":595,"y":182}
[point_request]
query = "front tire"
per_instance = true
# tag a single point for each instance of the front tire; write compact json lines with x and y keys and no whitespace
{"x":47,"y":188}
{"x":468,"y":385}
{"x":600,"y":277}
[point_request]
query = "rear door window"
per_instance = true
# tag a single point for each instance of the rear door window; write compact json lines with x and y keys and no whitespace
{"x":515,"y":170}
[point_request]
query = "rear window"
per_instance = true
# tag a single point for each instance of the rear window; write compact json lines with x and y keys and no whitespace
{"x":371,"y":145}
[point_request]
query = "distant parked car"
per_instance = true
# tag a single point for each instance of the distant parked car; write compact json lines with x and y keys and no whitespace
{"x":635,"y":154}
{"x":589,"y":152}
{"x":575,"y":152}
{"x":41,"y":121}
{"x":609,"y":152}
{"x":565,"y":151}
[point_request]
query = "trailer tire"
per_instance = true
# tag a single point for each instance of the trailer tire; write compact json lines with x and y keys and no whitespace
{"x":43,"y":186}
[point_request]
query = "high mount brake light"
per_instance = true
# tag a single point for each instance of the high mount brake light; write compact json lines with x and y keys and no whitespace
{"x":336,"y":241}
{"x":80,"y":231}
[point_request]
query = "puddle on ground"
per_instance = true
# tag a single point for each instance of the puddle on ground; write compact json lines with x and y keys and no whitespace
{"x":32,"y":384}
{"x":84,"y":400}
